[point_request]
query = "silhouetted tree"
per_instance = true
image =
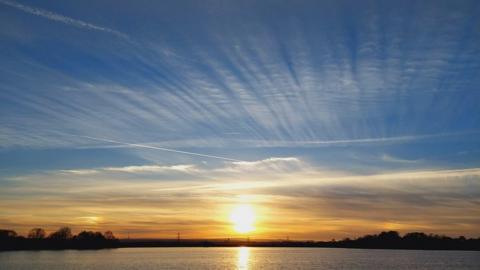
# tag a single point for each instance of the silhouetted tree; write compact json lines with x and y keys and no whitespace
{"x":63,"y":233}
{"x":90,"y":236}
{"x":415,"y":236}
{"x":7,"y":234}
{"x":36,"y":233}
{"x":389,"y":236}
{"x":109,"y":235}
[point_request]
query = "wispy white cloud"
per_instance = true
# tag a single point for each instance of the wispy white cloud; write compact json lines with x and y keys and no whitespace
{"x":269,"y":165}
{"x":394,"y":139}
{"x":434,"y":200}
{"x":182,"y":168}
{"x":188,"y":168}
{"x":231,"y":168}
{"x":389,"y":158}
{"x":78,"y":171}
{"x":246,"y":85}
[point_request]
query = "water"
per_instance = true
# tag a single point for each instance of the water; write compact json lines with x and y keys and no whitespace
{"x":239,"y":258}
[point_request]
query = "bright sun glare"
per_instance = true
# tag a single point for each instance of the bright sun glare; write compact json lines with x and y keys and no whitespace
{"x":243,"y":218}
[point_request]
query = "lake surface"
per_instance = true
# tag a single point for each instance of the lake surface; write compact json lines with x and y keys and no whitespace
{"x":239,"y":258}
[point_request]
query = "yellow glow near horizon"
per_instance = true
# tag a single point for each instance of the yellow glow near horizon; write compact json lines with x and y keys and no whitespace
{"x":243,"y":218}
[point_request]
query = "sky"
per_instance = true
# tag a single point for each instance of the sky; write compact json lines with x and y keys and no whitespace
{"x":330,"y":119}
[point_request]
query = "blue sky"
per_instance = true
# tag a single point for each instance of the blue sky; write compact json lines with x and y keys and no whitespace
{"x":352,"y":88}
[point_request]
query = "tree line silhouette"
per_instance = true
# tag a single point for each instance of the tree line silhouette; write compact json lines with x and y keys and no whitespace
{"x":63,"y":238}
{"x":413,"y":240}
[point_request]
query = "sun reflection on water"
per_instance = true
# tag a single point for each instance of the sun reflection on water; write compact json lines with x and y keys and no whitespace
{"x":243,"y":254}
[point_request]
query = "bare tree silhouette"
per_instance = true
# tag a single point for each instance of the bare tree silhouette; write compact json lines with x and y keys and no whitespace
{"x":109,"y":235}
{"x":36,"y":233}
{"x":7,"y":234}
{"x":90,"y":236}
{"x":63,"y":233}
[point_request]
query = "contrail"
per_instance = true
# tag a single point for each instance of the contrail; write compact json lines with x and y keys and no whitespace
{"x":157,"y":148}
{"x":63,"y":19}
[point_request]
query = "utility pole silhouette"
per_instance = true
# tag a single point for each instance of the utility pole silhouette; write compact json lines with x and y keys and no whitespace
{"x":178,"y":236}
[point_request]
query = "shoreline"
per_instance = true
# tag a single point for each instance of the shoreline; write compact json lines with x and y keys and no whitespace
{"x":63,"y":239}
{"x":251,"y":245}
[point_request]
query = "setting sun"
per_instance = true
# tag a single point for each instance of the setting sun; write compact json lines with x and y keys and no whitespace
{"x":243,"y":218}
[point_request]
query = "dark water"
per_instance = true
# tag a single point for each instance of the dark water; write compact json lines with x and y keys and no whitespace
{"x":239,"y":258}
